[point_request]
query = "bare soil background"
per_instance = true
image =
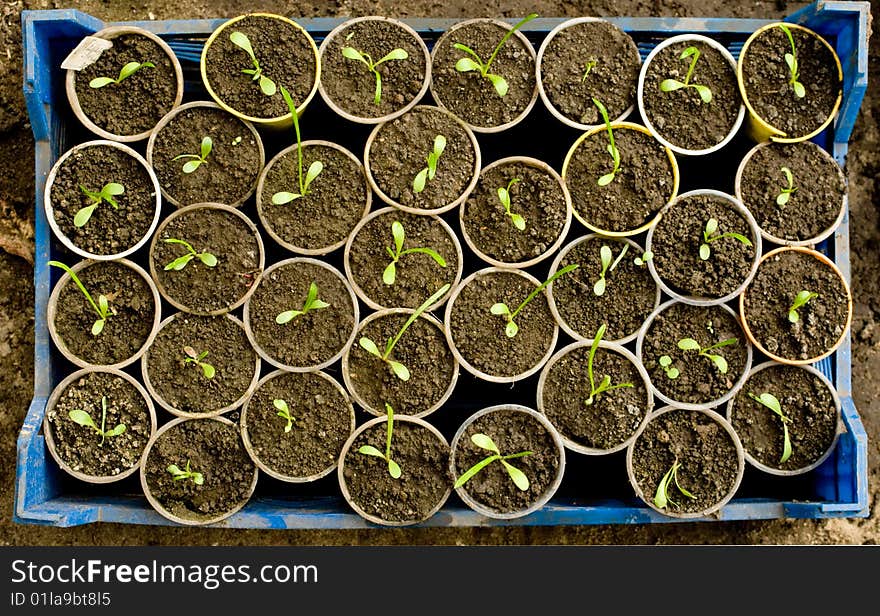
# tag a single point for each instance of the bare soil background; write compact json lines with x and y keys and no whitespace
{"x":16,"y":286}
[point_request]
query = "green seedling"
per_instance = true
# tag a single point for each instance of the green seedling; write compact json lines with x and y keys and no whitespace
{"x":587,"y":68}
{"x":107,"y":193}
{"x":284,"y":411}
{"x":236,"y":141}
{"x":485,"y":442}
{"x":180,"y":262}
{"x":661,"y":497}
{"x":312,"y":303}
{"x":689,"y":344}
{"x":395,"y":54}
{"x":474,"y":63}
{"x":783,"y":197}
{"x":792,"y":62}
{"x":671,"y":371}
{"x":398,"y":368}
{"x":399,"y":235}
{"x":197,"y":159}
{"x":612,"y":149}
{"x":432,"y":159}
{"x":101,"y":307}
{"x":504,"y":196}
{"x":186,"y":473}
{"x":643,"y":260}
{"x":369,"y":450}
{"x":124,"y":73}
{"x":670,"y":85}
{"x":800,"y":301}
{"x":772,"y":403}
{"x":605,"y":384}
{"x":605,"y":256}
{"x":196,"y":358}
{"x":84,"y":419}
{"x":315,"y":169}
{"x":710,"y":235}
{"x":501,"y":309}
{"x":240,"y":40}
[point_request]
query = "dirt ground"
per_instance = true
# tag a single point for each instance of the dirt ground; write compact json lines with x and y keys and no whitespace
{"x":16,"y":287}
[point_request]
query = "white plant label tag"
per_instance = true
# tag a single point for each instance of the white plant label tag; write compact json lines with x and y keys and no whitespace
{"x":88,"y":50}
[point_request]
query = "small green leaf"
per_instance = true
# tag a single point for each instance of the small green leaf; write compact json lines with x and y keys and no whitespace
{"x":704,"y":92}
{"x":673,"y":373}
{"x":484,"y":441}
{"x":103,"y":304}
{"x":208,"y":370}
{"x":112,"y":189}
{"x":100,"y":82}
{"x":394,"y":469}
{"x":98,"y":326}
{"x":314,"y":171}
{"x":82,"y":418}
{"x":191,"y":166}
{"x":599,"y":287}
{"x":720,"y":363}
{"x":280,"y":198}
{"x":605,"y":179}
{"x":790,"y":61}
{"x":287,"y":316}
{"x":605,"y":256}
{"x":782,"y":198}
{"x":688,"y":53}
{"x":116,"y":431}
{"x":395,"y":54}
{"x":665,"y":361}
{"x":198,"y":478}
{"x":83,"y":216}
{"x":439,"y":145}
{"x":670,"y":85}
{"x":688,"y":344}
{"x":465,"y":65}
{"x":208,"y":259}
{"x":793,"y":316}
{"x":519,"y":477}
{"x":499,"y":82}
{"x":369,"y":450}
{"x":705,"y":251}
{"x":267,"y":86}
{"x":179,"y":263}
{"x":786,"y":443}
{"x":174,"y":469}
{"x":511,"y":329}
{"x":401,"y":371}
{"x":281,"y":405}
{"x":399,"y":235}
{"x":240,"y":39}
{"x":206,"y":146}
{"x":353,"y":54}
{"x":390,"y":274}
{"x":518,"y":221}
{"x":499,"y":309}
{"x":369,"y":346}
{"x":799,"y":89}
{"x":504,"y":197}
{"x":419,"y":180}
{"x":711,"y":226}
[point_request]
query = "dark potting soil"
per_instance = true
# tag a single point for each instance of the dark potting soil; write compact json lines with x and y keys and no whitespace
{"x":212,"y":448}
{"x":705,"y":450}
{"x":612,"y":79}
{"x":135,"y":104}
{"x":422,"y":349}
{"x":309,"y":339}
{"x":676,"y":243}
{"x":229,"y":172}
{"x":126,"y":329}
{"x":197,"y":286}
{"x":285,"y":54}
{"x":538,"y":197}
{"x":630,"y":291}
{"x":417,"y":275}
{"x":766,"y":79}
{"x":399,"y":153}
{"x":680,"y":116}
{"x":352,"y":86}
{"x":480,"y":335}
{"x":80,"y":446}
{"x":804,"y":399}
{"x":700,"y":381}
{"x":337,"y":198}
{"x":471,"y":96}
{"x":612,"y":417}
{"x":183,"y":385}
{"x":109,"y":230}
{"x":642,"y":186}
{"x":815,"y":204}
{"x":424,"y":479}
{"x":770,"y":295}
{"x":512,"y":432}
{"x":323,"y":421}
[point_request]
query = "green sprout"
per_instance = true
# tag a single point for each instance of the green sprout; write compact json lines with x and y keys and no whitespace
{"x":474,"y":63}
{"x":792,"y":62}
{"x":197,"y":159}
{"x":369,"y":450}
{"x":240,"y":39}
{"x":772,"y":403}
{"x":504,"y":196}
{"x":196,"y":358}
{"x":587,"y":68}
{"x":501,"y":309}
{"x":101,"y":307}
{"x":612,"y":149}
{"x":643,"y":260}
{"x":107,"y":193}
{"x":312,"y":303}
{"x":390,"y":273}
{"x":605,"y":256}
{"x":661,"y":497}
{"x":800,"y":300}
{"x":125,"y":72}
{"x":670,"y":85}
{"x":689,"y":344}
{"x":710,"y":235}
{"x":186,"y":473}
{"x":605,"y":384}
{"x":315,"y":169}
{"x":432,"y":159}
{"x":484,"y":442}
{"x":284,"y":411}
{"x":401,"y":371}
{"x":395,"y":54}
{"x":84,"y":419}
{"x":180,"y":262}
{"x":671,"y":371}
{"x":237,"y":140}
{"x":783,"y":197}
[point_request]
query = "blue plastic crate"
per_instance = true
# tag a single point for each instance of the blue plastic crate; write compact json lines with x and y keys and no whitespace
{"x":45,"y":495}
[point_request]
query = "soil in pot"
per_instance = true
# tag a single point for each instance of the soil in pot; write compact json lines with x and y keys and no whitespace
{"x":681,"y":116}
{"x":81,"y":447}
{"x":128,"y":327}
{"x":417,"y":275}
{"x":308,"y":339}
{"x":229,"y":172}
{"x":198,"y":286}
{"x":587,"y":60}
{"x":768,"y":299}
{"x":677,"y":242}
{"x":815,"y":194}
{"x":110,"y":230}
{"x":535,"y":195}
{"x":689,"y":376}
{"x":804,"y":399}
{"x":209,"y":447}
{"x":137,"y":103}
{"x":325,"y":217}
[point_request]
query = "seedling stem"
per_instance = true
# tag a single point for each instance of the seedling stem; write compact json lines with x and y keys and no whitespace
{"x":315,"y":169}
